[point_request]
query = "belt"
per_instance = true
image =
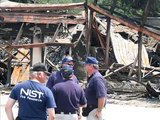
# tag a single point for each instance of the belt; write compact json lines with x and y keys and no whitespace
{"x":57,"y":112}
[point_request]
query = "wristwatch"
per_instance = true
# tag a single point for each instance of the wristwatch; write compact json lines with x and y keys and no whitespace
{"x":99,"y":110}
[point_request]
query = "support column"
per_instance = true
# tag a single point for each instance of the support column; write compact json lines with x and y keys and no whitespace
{"x":37,"y":52}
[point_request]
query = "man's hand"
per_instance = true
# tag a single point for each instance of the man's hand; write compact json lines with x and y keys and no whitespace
{"x":99,"y":113}
{"x":79,"y":117}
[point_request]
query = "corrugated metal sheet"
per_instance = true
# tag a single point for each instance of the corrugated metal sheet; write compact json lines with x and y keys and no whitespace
{"x":126,"y":51}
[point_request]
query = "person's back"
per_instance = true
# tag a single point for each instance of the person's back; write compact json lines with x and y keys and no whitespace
{"x":56,"y":77}
{"x":33,"y":97}
{"x":69,"y":96}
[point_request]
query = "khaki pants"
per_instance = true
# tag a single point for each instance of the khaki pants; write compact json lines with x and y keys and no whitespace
{"x":92,"y":116}
{"x":66,"y":116}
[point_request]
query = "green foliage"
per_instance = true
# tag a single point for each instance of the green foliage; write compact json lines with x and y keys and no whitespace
{"x":59,"y":1}
{"x":21,"y":1}
{"x":54,"y":1}
{"x":49,"y":1}
{"x":133,"y":8}
{"x":130,"y":8}
{"x":63,"y":1}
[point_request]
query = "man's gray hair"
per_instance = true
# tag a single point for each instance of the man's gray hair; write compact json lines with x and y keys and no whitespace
{"x":33,"y":74}
{"x":96,"y":66}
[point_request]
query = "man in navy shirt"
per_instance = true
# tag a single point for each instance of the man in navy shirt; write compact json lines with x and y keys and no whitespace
{"x":95,"y":91}
{"x":34,"y":99}
{"x":56,"y":77}
{"x":69,"y":96}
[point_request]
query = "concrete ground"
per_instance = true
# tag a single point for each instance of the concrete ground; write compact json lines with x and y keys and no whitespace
{"x":113,"y":111}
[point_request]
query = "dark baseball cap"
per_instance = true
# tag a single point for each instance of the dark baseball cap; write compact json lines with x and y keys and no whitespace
{"x":91,"y":60}
{"x":67,"y":71}
{"x":40,"y":67}
{"x":67,"y":59}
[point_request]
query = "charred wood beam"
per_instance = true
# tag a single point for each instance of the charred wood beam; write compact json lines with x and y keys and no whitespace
{"x":37,"y":18}
{"x":140,"y":33}
{"x":89,"y":32}
{"x":9,"y":72}
{"x":148,"y":73}
{"x":40,"y":7}
{"x":101,"y":40}
{"x":114,"y":2}
{"x":43,"y":14}
{"x":78,"y":40}
{"x":27,"y":46}
{"x":87,"y":37}
{"x":101,"y":23}
{"x":131,"y":79}
{"x":152,"y":91}
{"x":115,"y":65}
{"x":134,"y":64}
{"x":115,"y":71}
{"x":126,"y":23}
{"x":54,"y":66}
{"x":25,"y":55}
{"x":19,"y":33}
{"x":107,"y":42}
{"x":11,"y":30}
{"x":134,"y":20}
{"x":56,"y":33}
{"x":9,"y":53}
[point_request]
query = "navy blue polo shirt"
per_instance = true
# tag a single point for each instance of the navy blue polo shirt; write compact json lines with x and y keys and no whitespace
{"x":95,"y":88}
{"x":56,"y":77}
{"x":33,"y":99}
{"x":68,"y":96}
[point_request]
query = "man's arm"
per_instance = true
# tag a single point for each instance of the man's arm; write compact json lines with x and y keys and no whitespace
{"x":51,"y":80}
{"x":101,"y":103}
{"x":8,"y":108}
{"x":83,"y":103}
{"x":51,"y":114}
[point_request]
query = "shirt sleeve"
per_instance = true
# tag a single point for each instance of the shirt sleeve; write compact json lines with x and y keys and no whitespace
{"x":50,"y":100}
{"x":13,"y":94}
{"x":83,"y":100}
{"x":100,"y":87}
{"x":75,"y":79}
{"x":53,"y":89}
{"x":51,"y":81}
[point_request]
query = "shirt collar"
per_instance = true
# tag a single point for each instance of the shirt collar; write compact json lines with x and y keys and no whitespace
{"x":35,"y":80}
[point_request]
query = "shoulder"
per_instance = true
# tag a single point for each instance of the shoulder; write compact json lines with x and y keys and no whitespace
{"x":57,"y":87}
{"x":98,"y":75}
{"x":46,"y":90}
{"x":98,"y":79}
{"x":43,"y":87}
{"x":54,"y":73}
{"x":74,"y":85}
{"x":22,"y":84}
{"x":74,"y":77}
{"x":61,"y":84}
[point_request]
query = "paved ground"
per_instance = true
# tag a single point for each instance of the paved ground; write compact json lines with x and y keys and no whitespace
{"x":113,"y":111}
